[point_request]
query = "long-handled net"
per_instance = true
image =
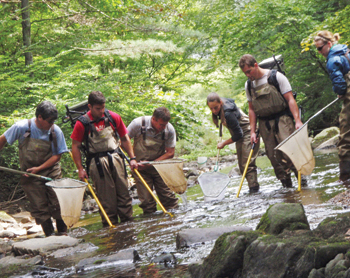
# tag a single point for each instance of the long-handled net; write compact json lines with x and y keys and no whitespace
{"x":70,"y":195}
{"x":172,"y":174}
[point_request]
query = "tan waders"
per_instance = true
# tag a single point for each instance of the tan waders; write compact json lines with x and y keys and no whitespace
{"x":146,"y":148}
{"x":274,"y":125}
{"x":107,"y":170}
{"x":344,"y":137}
{"x":43,"y":200}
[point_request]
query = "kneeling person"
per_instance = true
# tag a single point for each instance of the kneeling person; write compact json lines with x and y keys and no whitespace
{"x":154,"y":140}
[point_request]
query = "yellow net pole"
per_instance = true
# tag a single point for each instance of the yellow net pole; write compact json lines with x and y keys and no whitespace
{"x":96,"y":199}
{"x":245,"y":170}
{"x":148,"y":188}
{"x":299,"y":181}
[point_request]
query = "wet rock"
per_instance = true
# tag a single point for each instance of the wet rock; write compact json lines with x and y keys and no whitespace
{"x":283,"y":216}
{"x":44,"y":270}
{"x":4,"y":217}
{"x":7,"y":234}
{"x":166,"y":258}
{"x":20,"y":260}
{"x":34,"y":229}
{"x":89,"y":204}
{"x":332,"y":227}
{"x":43,"y":245}
{"x":81,"y":248}
{"x":234,"y":172}
{"x":188,"y":237}
{"x":191,"y":181}
{"x":329,"y":144}
{"x":324,"y":135}
{"x":128,"y":256}
{"x":5,"y":246}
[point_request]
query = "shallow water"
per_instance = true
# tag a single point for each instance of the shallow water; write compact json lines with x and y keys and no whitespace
{"x":153,"y":235}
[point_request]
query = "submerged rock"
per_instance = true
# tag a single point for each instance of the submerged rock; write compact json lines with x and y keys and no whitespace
{"x":166,"y":258}
{"x":324,"y":135}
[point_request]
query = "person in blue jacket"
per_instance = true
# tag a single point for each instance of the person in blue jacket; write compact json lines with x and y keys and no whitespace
{"x":338,"y":66}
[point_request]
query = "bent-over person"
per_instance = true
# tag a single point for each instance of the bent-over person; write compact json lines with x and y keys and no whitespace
{"x":154,"y":140}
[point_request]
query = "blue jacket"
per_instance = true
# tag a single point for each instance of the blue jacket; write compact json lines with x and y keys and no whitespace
{"x":338,"y":66}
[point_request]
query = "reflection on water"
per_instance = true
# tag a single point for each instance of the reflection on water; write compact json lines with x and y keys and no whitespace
{"x":155,"y":234}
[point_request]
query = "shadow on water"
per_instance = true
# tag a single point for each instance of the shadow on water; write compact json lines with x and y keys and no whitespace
{"x":154,"y":234}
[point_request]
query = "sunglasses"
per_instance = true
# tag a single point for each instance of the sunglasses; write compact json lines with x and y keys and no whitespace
{"x":320,"y":48}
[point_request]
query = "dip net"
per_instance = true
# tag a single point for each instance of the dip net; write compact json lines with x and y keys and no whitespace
{"x":172,"y":174}
{"x":70,"y":195}
{"x":298,"y":148}
{"x":213,"y":183}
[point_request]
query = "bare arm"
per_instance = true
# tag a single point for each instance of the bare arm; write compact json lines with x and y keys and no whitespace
{"x":126,"y":144}
{"x":47,"y":164}
{"x":252,"y":121}
{"x":169,"y":153}
{"x":3,"y":141}
{"x":224,"y":143}
{"x":77,"y":159}
{"x":293,"y":108}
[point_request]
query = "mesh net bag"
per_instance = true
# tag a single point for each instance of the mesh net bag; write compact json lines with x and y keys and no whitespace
{"x":172,"y":175}
{"x":298,"y":148}
{"x":70,"y":195}
{"x":213,"y":183}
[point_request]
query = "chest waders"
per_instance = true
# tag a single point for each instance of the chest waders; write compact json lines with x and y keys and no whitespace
{"x":149,"y":148}
{"x":42,"y":198}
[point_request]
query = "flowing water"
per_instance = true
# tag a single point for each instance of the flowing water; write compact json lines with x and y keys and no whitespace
{"x":155,"y":234}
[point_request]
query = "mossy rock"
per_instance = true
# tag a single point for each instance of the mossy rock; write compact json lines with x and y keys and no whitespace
{"x":283,"y":216}
{"x":324,"y":135}
{"x":333,"y":227}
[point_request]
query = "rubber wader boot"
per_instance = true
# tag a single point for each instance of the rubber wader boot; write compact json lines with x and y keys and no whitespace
{"x":287,"y":183}
{"x":344,"y":169}
{"x":48,"y":227}
{"x":61,"y":227}
{"x":254,"y":188}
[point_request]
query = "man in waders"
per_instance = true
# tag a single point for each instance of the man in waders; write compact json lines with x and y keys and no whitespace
{"x":100,"y":130}
{"x":41,"y":144}
{"x":275,"y":108}
{"x":154,"y":140}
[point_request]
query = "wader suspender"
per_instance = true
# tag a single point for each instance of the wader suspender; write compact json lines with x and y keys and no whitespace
{"x":52,"y":136}
{"x":89,"y":126}
{"x":272,"y":80}
{"x":165,"y":132}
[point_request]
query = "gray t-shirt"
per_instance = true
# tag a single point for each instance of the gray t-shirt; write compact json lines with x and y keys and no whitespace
{"x":282,"y":80}
{"x":16,"y":132}
{"x":134,"y":130}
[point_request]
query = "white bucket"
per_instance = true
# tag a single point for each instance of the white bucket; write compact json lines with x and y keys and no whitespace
{"x":202,"y":161}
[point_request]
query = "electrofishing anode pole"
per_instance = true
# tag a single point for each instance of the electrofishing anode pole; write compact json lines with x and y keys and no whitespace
{"x":246,"y":166}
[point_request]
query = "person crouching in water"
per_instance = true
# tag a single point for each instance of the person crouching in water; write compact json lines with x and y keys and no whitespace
{"x":237,"y":123}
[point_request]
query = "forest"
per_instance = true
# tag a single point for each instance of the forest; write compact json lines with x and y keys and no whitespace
{"x":143,"y":54}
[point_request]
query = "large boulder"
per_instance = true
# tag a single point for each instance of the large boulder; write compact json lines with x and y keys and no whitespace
{"x":324,"y":135}
{"x":279,"y":217}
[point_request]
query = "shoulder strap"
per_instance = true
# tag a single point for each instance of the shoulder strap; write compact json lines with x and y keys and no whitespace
{"x":143,"y":127}
{"x":85,"y":120}
{"x":272,"y":79}
{"x":27,"y":133}
{"x":249,"y":87}
{"x":110,"y":119}
{"x":53,"y":136}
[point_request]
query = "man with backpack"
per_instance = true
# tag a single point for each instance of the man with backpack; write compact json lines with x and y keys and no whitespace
{"x":275,"y":107}
{"x":154,"y":140}
{"x":101,"y":131}
{"x":41,"y":144}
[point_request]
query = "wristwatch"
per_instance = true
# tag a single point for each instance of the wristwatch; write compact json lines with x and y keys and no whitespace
{"x":133,"y":158}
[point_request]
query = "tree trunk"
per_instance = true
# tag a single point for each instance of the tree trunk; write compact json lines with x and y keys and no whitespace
{"x":26,"y":30}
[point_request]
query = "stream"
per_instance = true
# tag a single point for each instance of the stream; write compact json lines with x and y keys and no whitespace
{"x":152,"y":235}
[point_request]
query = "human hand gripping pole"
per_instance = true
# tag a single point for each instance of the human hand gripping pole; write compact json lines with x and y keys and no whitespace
{"x":96,"y":199}
{"x":146,"y":185}
{"x":246,"y":166}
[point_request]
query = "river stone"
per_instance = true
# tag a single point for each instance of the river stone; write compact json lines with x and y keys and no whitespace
{"x":5,"y":246}
{"x":44,"y":245}
{"x":127,"y":255}
{"x":22,"y":260}
{"x":23,"y":217}
{"x":324,"y":135}
{"x":329,"y":144}
{"x":187,"y":237}
{"x":278,"y":217}
{"x":81,"y":248}
{"x":4,"y":217}
{"x":334,"y":226}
